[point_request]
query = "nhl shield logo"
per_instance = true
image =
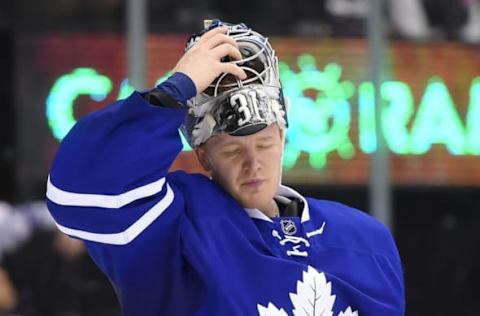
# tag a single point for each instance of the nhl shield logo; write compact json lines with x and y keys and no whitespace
{"x":288,"y":227}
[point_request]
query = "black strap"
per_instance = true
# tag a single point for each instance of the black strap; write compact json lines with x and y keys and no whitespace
{"x":160,"y":98}
{"x":292,"y":209}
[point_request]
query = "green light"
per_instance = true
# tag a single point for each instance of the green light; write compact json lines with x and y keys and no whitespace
{"x":186,"y":146}
{"x":397,"y":108}
{"x":65,"y":90}
{"x":396,"y":115}
{"x":473,"y":118}
{"x":321,"y":125}
{"x":437,"y":121}
{"x":125,"y":90}
{"x":320,"y":113}
{"x":366,"y":119}
{"x":163,"y":78}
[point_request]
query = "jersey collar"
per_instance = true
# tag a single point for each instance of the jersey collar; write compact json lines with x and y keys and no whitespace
{"x":285,"y":192}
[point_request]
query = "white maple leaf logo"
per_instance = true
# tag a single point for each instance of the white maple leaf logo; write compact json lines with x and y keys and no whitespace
{"x":313,"y":298}
{"x":348,"y":312}
{"x":270,"y":310}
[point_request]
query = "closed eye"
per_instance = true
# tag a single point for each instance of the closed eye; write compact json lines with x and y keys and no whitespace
{"x":230,"y":152}
{"x":265,"y":145}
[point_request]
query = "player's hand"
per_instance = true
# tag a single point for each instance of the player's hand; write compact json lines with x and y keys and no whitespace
{"x":202,"y":63}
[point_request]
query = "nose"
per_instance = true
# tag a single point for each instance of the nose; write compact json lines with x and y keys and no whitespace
{"x":251,"y":163}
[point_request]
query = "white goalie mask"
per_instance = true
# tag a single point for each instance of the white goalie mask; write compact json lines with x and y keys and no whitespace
{"x":233,"y":106}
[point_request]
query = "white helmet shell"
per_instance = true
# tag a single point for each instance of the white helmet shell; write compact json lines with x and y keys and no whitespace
{"x":234,"y":106}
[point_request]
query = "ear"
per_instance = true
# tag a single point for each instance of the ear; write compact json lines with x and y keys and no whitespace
{"x":203,"y":158}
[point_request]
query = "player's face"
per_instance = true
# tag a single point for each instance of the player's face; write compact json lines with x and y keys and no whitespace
{"x":248,"y":167}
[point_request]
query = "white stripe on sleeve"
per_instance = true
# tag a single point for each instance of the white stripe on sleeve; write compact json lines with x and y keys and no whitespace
{"x":61,"y":197}
{"x":129,"y":234}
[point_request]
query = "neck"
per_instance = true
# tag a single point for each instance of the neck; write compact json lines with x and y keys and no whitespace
{"x":271,"y":209}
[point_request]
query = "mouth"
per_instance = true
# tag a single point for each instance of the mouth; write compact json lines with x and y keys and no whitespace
{"x":253,"y":183}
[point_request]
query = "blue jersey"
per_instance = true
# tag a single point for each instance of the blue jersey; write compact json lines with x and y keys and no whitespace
{"x":178,"y":244}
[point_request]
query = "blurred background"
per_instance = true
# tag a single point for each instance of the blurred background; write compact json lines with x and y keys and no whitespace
{"x":384,"y":115}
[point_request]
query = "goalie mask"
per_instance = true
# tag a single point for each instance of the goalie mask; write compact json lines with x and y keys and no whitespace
{"x":233,"y":106}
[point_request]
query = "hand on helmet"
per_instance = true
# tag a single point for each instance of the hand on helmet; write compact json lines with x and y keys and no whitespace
{"x":203,"y":62}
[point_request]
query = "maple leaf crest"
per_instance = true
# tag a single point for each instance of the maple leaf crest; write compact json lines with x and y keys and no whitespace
{"x":313,"y":298}
{"x":348,"y":312}
{"x":270,"y":310}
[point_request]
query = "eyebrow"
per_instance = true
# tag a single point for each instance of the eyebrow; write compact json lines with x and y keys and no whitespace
{"x":234,"y":142}
{"x":268,"y":137}
{"x":229,"y":144}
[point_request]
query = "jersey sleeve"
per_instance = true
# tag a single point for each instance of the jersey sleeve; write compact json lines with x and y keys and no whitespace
{"x":108,"y":179}
{"x":108,"y":186}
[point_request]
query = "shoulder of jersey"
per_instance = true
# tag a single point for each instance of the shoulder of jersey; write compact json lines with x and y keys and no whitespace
{"x":351,"y":229}
{"x":209,"y":199}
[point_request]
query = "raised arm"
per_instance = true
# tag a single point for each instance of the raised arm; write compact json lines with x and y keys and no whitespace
{"x":122,"y":153}
{"x":109,"y":186}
